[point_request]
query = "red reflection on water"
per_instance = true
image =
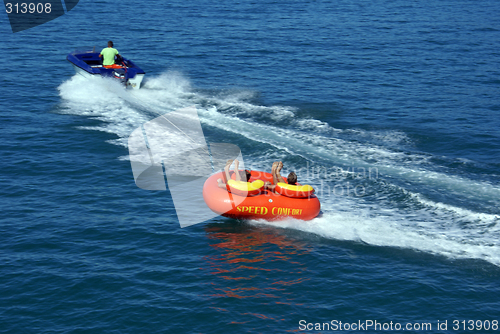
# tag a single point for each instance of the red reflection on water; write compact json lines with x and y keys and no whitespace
{"x":252,"y":263}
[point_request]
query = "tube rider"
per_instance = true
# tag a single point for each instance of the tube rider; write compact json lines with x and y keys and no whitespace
{"x":242,"y":186}
{"x":275,"y":171}
{"x":244,"y":176}
{"x":240,"y":175}
{"x":108,"y":56}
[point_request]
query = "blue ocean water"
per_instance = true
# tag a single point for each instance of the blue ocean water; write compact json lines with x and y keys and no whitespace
{"x":390,"y":109}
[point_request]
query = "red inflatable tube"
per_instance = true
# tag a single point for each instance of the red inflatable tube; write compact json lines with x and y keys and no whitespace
{"x":266,"y":205}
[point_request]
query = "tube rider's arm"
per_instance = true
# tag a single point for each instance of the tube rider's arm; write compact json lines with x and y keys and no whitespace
{"x":236,"y":172}
{"x":226,"y":175}
{"x":278,"y":175}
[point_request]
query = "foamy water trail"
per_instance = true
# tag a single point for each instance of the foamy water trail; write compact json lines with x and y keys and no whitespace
{"x":401,"y":210}
{"x":394,"y":231}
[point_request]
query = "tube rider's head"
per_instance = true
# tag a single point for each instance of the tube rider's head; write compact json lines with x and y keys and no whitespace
{"x":292,"y":178}
{"x":110,"y":44}
{"x":245,"y":175}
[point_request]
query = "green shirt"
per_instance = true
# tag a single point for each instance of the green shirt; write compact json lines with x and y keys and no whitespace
{"x":108,"y":56}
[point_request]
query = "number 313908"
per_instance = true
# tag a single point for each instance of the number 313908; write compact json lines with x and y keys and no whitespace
{"x":475,"y":325}
{"x":23,"y":8}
